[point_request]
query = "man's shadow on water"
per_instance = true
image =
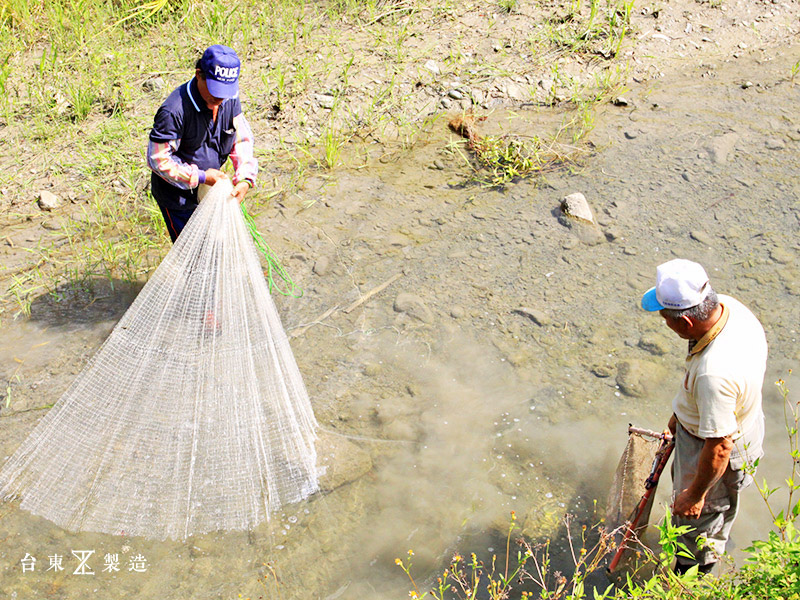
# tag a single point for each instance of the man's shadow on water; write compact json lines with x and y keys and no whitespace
{"x":90,"y":301}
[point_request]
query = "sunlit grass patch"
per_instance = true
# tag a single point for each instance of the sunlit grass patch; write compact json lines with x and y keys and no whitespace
{"x":495,"y":161}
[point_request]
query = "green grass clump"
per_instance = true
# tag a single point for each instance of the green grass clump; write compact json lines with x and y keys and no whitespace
{"x":495,"y":161}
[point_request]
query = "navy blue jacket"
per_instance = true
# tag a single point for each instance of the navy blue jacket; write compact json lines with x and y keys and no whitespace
{"x":203,"y":141}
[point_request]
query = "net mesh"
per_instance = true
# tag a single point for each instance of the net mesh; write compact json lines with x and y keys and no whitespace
{"x":192,"y":416}
{"x":627,"y":487}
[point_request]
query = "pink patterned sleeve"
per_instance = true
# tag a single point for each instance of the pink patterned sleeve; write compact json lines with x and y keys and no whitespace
{"x":244,"y":162}
{"x":162,"y":160}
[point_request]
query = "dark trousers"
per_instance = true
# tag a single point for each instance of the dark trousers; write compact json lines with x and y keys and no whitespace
{"x":176,"y":204}
{"x":175,"y":220}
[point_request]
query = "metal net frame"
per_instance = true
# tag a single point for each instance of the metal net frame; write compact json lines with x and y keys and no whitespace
{"x":192,"y":416}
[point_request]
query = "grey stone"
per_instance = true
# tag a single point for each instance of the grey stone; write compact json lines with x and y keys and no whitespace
{"x":575,"y":206}
{"x":432,"y":67}
{"x":342,"y":460}
{"x":637,"y":377}
{"x":48,"y":200}
{"x":702,"y":237}
{"x":781,"y":255}
{"x":326,"y":100}
{"x":457,"y":312}
{"x":455,"y":94}
{"x":655,"y":344}
{"x":413,"y":306}
{"x":722,"y":146}
{"x":775,"y":144}
{"x":587,"y":233}
{"x":52,"y":224}
{"x":322,"y":266}
{"x":446,"y":102}
{"x":515,"y":92}
{"x":155,"y":84}
{"x":546,"y":84}
{"x":603,"y":370}
{"x":537,"y":316}
{"x":119,"y":187}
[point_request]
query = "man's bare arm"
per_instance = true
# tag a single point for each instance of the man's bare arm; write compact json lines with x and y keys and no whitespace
{"x":710,"y":467}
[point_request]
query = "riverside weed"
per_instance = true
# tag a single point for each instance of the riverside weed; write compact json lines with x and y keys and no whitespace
{"x":500,"y":160}
{"x":507,"y":6}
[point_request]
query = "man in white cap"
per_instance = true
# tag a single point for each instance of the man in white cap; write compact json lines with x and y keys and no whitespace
{"x":197,"y":128}
{"x":717,"y":418}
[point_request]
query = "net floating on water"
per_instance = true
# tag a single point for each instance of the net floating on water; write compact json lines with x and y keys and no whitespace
{"x":192,"y":416}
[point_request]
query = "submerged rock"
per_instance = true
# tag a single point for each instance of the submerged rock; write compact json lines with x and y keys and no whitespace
{"x":775,"y":144}
{"x":457,"y":312}
{"x":655,"y":344}
{"x":781,"y":255}
{"x":342,"y":460}
{"x":413,"y":306}
{"x":321,"y":266}
{"x":721,"y":147}
{"x":602,"y":370}
{"x":637,"y":377}
{"x":543,"y":519}
{"x":702,"y":237}
{"x":537,"y":316}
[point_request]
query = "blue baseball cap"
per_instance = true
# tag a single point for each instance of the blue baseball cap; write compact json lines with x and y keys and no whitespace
{"x":221,"y":67}
{"x":680,"y":284}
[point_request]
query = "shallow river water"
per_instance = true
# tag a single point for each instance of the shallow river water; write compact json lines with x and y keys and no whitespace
{"x":438,"y":421}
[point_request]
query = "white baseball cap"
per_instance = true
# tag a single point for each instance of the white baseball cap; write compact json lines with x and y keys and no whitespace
{"x":680,"y":284}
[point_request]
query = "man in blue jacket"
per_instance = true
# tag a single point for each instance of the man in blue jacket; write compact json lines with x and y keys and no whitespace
{"x":197,"y":128}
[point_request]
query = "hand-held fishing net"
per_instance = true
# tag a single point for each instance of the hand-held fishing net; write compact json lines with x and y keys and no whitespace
{"x":630,"y":499}
{"x":192,"y":416}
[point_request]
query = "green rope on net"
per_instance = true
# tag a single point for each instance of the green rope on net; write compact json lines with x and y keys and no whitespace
{"x":274,"y":267}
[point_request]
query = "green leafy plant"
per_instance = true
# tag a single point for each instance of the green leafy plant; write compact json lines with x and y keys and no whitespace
{"x":507,"y":6}
{"x":500,"y":160}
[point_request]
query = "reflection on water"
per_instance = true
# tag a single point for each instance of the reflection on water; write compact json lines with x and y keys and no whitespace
{"x":482,"y":411}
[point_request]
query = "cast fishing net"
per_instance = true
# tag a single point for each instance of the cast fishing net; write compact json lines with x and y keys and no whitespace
{"x":192,"y":416}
